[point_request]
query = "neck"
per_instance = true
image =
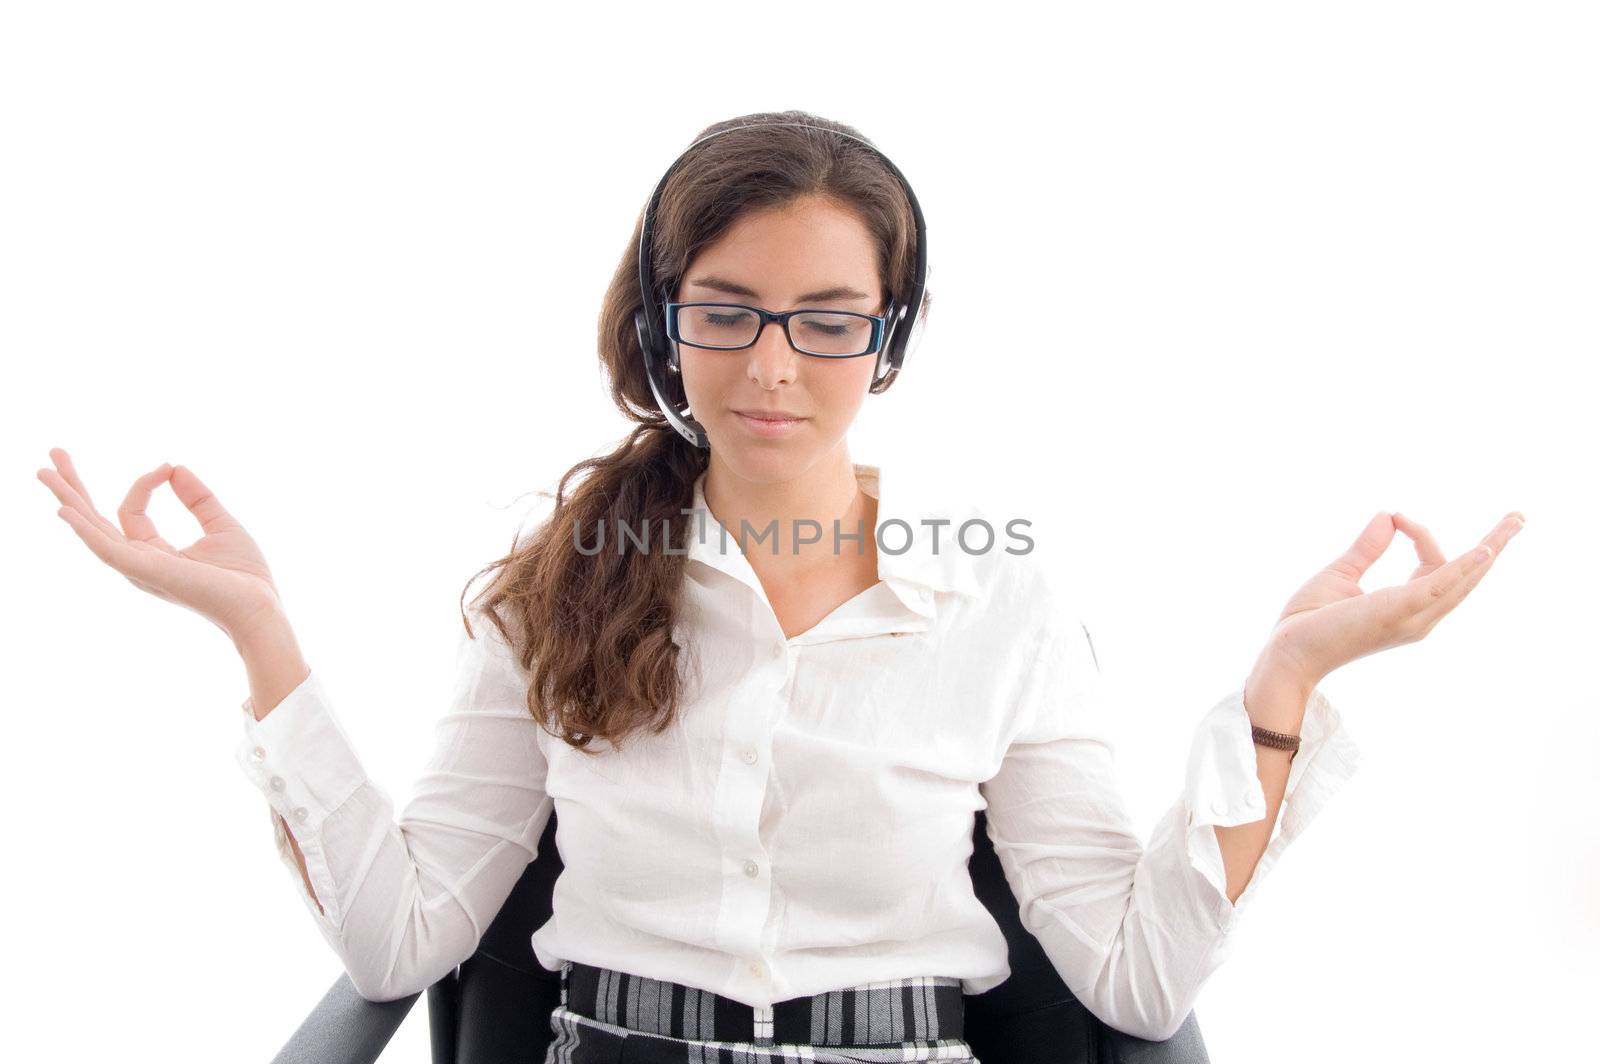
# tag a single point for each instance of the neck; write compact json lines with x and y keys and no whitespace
{"x":826,"y":492}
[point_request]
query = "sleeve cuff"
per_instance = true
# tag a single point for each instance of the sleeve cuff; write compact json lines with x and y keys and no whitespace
{"x":1222,"y":787}
{"x":301,"y":760}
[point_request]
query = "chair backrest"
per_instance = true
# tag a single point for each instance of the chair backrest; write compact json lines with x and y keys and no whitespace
{"x":495,"y":1006}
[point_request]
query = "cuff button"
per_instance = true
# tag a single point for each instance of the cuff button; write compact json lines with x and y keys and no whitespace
{"x":300,"y":814}
{"x":277,"y":783}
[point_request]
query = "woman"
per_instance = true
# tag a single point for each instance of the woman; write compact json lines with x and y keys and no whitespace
{"x":767,"y":752}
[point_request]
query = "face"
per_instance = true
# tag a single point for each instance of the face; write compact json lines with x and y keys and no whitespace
{"x":808,"y":253}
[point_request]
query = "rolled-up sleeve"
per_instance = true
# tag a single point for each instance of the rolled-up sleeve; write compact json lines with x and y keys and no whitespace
{"x":404,"y":901}
{"x":1135,"y":930}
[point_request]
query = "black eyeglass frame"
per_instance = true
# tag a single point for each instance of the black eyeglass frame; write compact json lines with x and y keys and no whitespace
{"x":878,"y":324}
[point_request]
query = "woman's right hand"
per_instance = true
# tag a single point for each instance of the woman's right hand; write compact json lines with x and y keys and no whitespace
{"x":222,"y":576}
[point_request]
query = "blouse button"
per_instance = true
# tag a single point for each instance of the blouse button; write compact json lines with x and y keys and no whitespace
{"x":300,"y":813}
{"x":749,"y":757}
{"x":750,"y":868}
{"x":756,"y":969}
{"x":258,"y":754}
{"x":277,"y":783}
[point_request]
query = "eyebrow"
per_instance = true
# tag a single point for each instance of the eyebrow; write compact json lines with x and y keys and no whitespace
{"x":838,"y":291}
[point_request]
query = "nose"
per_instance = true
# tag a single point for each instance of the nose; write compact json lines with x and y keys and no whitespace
{"x":771,"y":358}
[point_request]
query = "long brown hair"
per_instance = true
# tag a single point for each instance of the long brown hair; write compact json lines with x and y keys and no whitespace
{"x":594,"y":632}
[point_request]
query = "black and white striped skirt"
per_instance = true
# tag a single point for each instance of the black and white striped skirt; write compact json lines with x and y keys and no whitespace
{"x":611,"y":1017}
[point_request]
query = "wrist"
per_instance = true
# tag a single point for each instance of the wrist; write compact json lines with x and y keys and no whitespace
{"x":273,"y":664}
{"x":1276,"y":693}
{"x":264,"y":626}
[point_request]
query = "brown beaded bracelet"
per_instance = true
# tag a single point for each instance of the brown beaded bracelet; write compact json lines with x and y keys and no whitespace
{"x":1276,"y":740}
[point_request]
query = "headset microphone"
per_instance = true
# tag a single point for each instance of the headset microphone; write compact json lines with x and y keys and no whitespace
{"x":902,"y":329}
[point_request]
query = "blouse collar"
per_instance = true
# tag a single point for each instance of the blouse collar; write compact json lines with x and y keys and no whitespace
{"x":914,"y":574}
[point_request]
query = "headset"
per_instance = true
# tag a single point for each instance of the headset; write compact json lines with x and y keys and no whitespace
{"x":902,"y":329}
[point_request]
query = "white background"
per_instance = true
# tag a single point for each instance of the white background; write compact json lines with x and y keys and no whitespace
{"x":1214,"y":285}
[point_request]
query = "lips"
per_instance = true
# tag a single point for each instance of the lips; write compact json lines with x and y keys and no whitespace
{"x":767,"y":426}
{"x":770,"y":415}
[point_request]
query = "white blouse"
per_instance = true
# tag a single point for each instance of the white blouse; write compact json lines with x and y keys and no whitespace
{"x":805,"y":825}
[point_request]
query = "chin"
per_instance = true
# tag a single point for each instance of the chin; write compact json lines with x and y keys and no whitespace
{"x":767,"y":460}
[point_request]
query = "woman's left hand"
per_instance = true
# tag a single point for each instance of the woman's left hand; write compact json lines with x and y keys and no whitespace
{"x":1331,"y":622}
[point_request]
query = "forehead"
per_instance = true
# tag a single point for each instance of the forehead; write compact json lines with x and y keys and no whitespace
{"x":776,"y":252}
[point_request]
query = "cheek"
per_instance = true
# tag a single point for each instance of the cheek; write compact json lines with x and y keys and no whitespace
{"x":841,"y":389}
{"x":706,"y":379}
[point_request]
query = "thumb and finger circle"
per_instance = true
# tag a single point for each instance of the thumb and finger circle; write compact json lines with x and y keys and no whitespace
{"x":135,"y":519}
{"x":201,"y":501}
{"x":1428,"y":552}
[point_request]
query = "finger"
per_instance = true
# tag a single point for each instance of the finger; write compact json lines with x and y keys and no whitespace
{"x":135,"y":561}
{"x":1428,"y":552}
{"x":1368,"y":548}
{"x":132,"y":513}
{"x":1444,"y":589}
{"x":68,"y":495}
{"x":1451,"y":594}
{"x":69,"y":473}
{"x":201,"y":502}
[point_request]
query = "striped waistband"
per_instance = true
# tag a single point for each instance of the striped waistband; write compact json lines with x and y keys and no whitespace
{"x":922,"y":1008}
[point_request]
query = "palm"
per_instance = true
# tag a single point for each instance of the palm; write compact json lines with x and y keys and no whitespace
{"x":224,"y":568}
{"x":232,"y":550}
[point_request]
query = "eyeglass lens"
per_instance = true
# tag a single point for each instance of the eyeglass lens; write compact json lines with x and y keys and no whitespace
{"x":817,"y":332}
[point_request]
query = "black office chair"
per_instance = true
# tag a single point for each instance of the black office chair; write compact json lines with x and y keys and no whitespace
{"x":494,"y":1007}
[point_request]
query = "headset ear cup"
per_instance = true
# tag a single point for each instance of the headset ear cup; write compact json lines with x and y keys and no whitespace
{"x":922,"y":312}
{"x":891,"y":336}
{"x":641,"y":327}
{"x":920,"y":324}
{"x":661,"y":352}
{"x":914,"y":339}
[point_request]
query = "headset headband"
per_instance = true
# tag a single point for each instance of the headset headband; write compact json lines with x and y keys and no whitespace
{"x":650,"y":320}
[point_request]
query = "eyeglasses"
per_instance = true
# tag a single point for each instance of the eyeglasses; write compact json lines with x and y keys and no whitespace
{"x":735,"y":326}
